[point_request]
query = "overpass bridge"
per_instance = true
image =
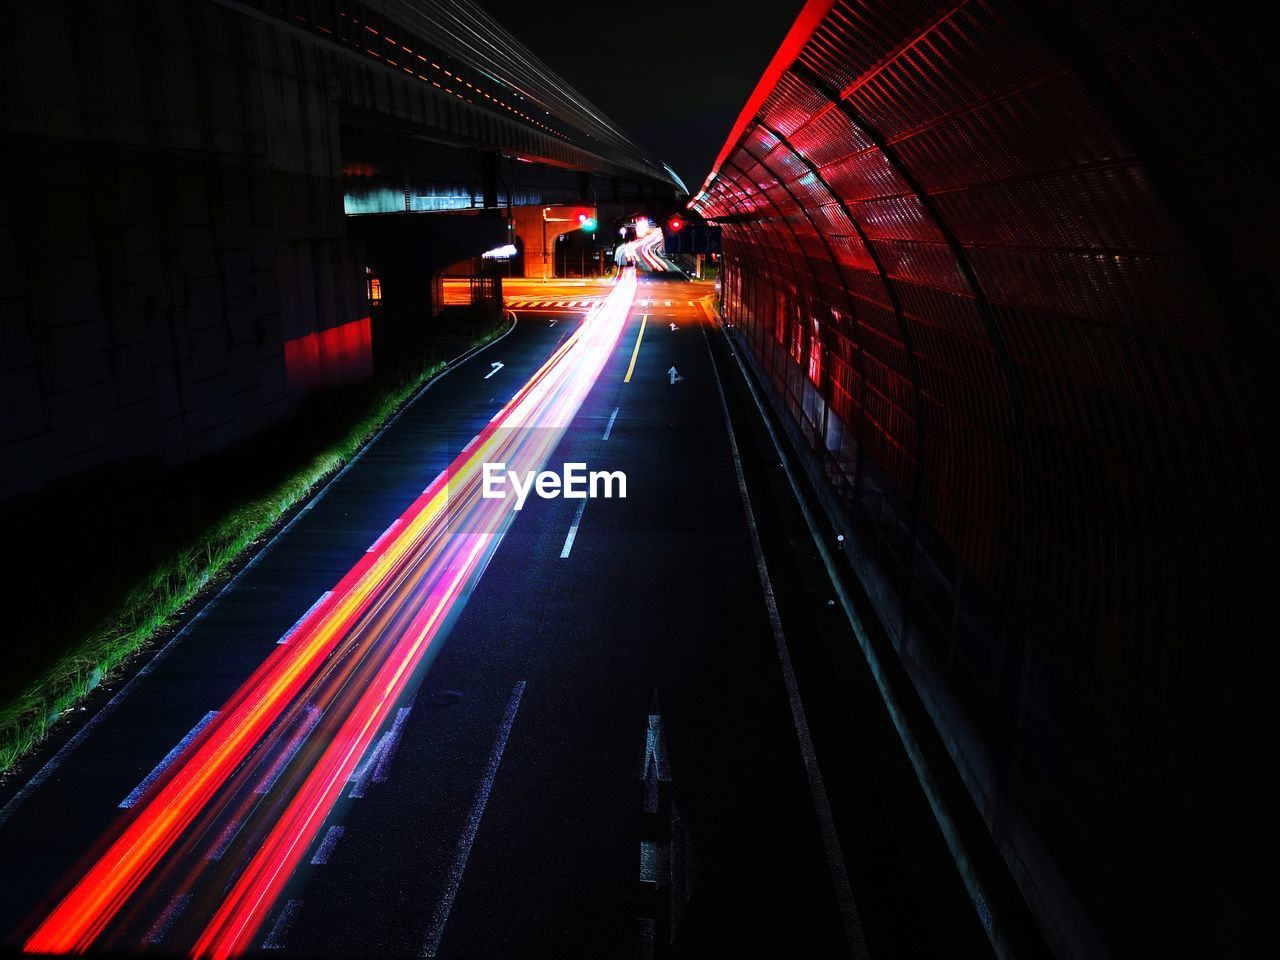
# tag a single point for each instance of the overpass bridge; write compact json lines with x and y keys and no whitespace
{"x":203,"y":186}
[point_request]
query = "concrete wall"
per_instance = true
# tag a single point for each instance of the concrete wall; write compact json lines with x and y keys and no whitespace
{"x":540,"y":261}
{"x":172,"y":214}
{"x":172,"y":220}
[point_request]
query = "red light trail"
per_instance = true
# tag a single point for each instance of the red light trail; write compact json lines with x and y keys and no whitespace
{"x":646,"y":249}
{"x":230,"y":819}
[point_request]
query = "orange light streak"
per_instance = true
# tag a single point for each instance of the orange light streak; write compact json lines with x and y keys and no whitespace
{"x":440,"y":547}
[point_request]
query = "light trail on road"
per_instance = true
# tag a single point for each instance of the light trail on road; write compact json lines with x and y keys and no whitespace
{"x":217,"y":836}
{"x":645,"y":249}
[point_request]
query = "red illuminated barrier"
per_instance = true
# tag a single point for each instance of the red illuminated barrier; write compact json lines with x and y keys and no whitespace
{"x":340,"y":354}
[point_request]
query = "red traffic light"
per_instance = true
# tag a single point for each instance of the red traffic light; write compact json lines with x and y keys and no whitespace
{"x":675,"y":224}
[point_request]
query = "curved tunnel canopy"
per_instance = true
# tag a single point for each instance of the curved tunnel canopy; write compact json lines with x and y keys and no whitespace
{"x":1009,"y":272}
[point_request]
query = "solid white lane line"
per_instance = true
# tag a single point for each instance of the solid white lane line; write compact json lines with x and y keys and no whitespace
{"x":53,"y":763}
{"x":325,"y":850}
{"x":609,"y":427}
{"x":655,"y":750}
{"x":435,"y":933}
{"x":136,"y":794}
{"x":288,"y":634}
{"x":817,"y":789}
{"x":573,"y":530}
{"x":924,"y":775}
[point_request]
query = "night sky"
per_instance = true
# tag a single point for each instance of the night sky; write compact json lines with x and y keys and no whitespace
{"x":654,"y":69}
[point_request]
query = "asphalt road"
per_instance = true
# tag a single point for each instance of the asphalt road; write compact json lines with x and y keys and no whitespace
{"x":597,"y":758}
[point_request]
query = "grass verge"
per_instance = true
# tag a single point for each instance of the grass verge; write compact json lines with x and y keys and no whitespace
{"x":153,"y":603}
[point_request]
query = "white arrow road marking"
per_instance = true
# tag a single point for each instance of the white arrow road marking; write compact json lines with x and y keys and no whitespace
{"x":656,"y":768}
{"x":674,"y":328}
{"x":553,"y":322}
{"x":663,"y":859}
{"x":674,"y":374}
{"x":496,"y":367}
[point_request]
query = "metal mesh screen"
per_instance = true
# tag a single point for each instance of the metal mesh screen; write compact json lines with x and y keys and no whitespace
{"x":1034,"y":244}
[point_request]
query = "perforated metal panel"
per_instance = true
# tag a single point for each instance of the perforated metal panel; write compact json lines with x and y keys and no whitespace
{"x":1035,"y":242}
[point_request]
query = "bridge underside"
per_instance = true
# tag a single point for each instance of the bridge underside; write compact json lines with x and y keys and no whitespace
{"x":199,"y":179}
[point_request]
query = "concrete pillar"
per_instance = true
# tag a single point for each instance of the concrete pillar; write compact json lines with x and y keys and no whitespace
{"x":538,"y":233}
{"x":407,"y":252}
